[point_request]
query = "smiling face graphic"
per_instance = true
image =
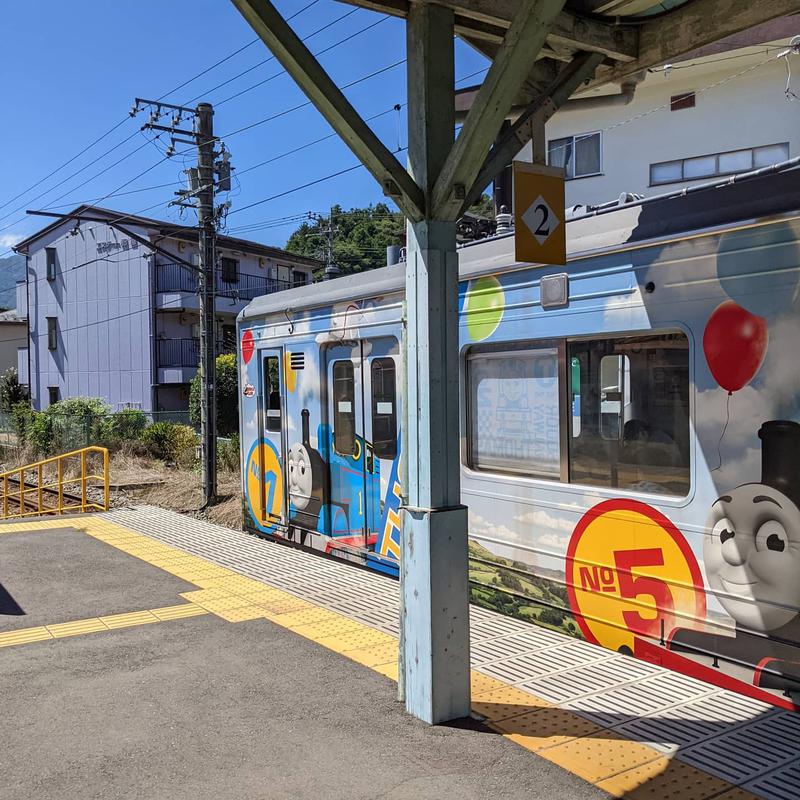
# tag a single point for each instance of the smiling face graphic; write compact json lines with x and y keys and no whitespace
{"x":301,"y":482}
{"x":752,"y":556}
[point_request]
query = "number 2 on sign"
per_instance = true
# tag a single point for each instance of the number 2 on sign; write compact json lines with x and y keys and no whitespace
{"x":543,"y":228}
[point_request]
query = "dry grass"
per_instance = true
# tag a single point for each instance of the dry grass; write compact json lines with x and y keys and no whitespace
{"x":141,"y":480}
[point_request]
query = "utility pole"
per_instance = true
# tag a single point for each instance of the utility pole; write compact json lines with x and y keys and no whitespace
{"x":202,"y":189}
{"x":331,"y":270}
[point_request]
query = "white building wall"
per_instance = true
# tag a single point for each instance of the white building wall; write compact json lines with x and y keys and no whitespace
{"x":747,"y":111}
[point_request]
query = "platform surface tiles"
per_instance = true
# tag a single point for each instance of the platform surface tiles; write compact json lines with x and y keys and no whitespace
{"x":292,"y":697}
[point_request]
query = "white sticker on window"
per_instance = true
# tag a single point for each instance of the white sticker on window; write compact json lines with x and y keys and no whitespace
{"x":345,"y":406}
{"x":273,"y":412}
{"x":384,"y":408}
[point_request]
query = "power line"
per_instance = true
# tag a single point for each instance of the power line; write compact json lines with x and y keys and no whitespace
{"x":120,"y":124}
{"x":267,"y":60}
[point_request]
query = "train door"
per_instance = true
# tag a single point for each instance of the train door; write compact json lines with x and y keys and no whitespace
{"x":273,"y":492}
{"x":363,"y":421}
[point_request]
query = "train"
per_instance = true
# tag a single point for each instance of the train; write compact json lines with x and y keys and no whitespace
{"x":630,"y":429}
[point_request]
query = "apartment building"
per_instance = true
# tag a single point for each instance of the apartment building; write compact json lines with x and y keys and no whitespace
{"x":113,"y":311}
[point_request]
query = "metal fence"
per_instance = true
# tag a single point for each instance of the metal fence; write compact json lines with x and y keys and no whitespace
{"x":65,"y":432}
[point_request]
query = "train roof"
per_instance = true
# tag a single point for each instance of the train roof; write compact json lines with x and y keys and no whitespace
{"x":767,"y":196}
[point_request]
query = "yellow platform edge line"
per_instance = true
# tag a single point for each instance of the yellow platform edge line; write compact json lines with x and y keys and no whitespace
{"x":638,"y":764}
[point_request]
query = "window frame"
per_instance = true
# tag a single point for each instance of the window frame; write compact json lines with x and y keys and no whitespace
{"x":391,"y":452}
{"x":573,"y":138}
{"x":272,"y":423}
{"x":716,"y":156}
{"x":335,"y":406}
{"x":52,"y":333}
{"x":565,"y":414}
{"x":51,"y":264}
{"x":229,"y":260}
{"x":497,"y":349}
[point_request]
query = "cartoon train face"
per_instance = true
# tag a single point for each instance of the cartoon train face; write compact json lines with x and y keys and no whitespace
{"x":752,"y":557}
{"x":305,"y":477}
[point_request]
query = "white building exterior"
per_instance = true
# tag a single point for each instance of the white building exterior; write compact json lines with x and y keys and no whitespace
{"x":733,"y":122}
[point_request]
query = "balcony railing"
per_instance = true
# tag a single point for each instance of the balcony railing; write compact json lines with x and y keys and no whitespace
{"x":178,"y":352}
{"x":177,"y":278}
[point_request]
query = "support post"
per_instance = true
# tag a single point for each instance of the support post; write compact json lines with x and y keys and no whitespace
{"x":206,"y":288}
{"x":435,"y":591}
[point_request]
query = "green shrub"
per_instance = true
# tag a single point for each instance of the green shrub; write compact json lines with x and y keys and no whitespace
{"x":21,"y":417}
{"x":228,"y":454}
{"x":123,"y":426}
{"x":40,"y":435}
{"x":171,"y":442}
{"x":12,"y":392}
{"x":77,"y":422}
{"x":227,"y":396}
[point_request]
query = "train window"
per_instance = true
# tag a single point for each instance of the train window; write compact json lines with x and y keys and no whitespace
{"x":272,"y":393}
{"x":631,"y":429}
{"x":344,"y":408}
{"x":384,"y":407}
{"x":514,"y":411}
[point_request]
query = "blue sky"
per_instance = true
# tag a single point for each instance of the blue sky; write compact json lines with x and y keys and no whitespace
{"x":71,"y":71}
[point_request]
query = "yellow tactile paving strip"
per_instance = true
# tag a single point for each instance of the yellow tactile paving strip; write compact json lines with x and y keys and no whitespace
{"x":619,"y":766}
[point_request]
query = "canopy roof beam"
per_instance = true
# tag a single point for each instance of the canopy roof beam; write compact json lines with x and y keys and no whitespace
{"x":493,"y":101}
{"x":329,"y":100}
{"x":535,"y":114}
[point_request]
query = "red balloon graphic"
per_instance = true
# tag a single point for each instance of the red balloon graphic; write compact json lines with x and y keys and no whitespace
{"x":248,"y":346}
{"x":735,"y":343}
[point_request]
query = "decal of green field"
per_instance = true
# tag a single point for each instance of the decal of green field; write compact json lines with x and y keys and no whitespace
{"x":507,"y":586}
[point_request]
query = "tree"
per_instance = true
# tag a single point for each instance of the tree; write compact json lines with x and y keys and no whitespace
{"x":360,"y":239}
{"x":12,"y":391}
{"x":227,"y":394}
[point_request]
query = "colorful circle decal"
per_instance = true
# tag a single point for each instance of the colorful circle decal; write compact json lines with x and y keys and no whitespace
{"x":630,"y":573}
{"x":264,"y":484}
{"x":483,"y":306}
{"x":248,"y":346}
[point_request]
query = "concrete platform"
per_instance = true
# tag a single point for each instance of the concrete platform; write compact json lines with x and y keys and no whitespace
{"x":300,"y":674}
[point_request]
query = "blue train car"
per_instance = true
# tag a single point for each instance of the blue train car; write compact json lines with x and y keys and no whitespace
{"x":630,"y":427}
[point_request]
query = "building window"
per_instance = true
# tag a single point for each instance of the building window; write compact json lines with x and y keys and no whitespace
{"x":53,"y":395}
{"x":384,"y":407}
{"x":299,"y":277}
{"x":50,"y":255}
{"x":230,"y":270}
{"x":630,"y":429}
{"x":344,"y":408}
{"x":514,"y":411}
{"x":710,"y":166}
{"x":580,"y":156}
{"x":52,"y":333}
{"x":678,"y":102}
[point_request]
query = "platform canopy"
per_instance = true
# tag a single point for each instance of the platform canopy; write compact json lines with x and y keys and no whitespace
{"x":541,"y":52}
{"x":588,"y":44}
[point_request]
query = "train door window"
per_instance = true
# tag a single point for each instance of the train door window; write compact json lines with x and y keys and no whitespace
{"x":514,"y":410}
{"x":632,"y":426}
{"x":272,"y":393}
{"x":344,"y":408}
{"x":384,"y":407}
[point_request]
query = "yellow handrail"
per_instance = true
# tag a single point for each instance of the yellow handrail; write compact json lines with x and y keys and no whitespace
{"x":22,"y":499}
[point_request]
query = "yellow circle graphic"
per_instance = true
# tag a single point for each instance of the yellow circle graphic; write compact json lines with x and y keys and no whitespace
{"x":483,"y":307}
{"x":264,"y":483}
{"x":289,"y":375}
{"x":631,"y":573}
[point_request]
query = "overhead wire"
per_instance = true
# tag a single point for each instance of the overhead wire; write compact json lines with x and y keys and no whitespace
{"x":119,"y":125}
